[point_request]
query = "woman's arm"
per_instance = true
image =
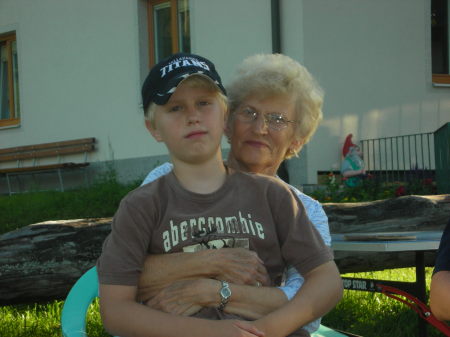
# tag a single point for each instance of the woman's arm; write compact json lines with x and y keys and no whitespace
{"x":235,"y":265}
{"x":189,"y":296}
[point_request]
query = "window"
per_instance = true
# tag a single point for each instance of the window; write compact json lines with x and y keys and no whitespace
{"x":440,"y":41}
{"x":168,"y":25}
{"x":9,"y":81}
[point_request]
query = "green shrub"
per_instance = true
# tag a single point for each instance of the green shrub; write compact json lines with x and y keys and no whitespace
{"x":99,"y":200}
{"x":371,"y":188}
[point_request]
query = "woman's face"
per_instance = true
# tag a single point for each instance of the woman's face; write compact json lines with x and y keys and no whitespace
{"x":255,"y":147}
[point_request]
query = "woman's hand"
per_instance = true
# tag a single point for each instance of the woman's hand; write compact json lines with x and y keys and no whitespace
{"x":186,"y":297}
{"x":239,"y":266}
{"x":235,"y":265}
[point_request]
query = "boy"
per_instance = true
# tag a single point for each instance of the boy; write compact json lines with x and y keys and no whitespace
{"x":203,"y":204}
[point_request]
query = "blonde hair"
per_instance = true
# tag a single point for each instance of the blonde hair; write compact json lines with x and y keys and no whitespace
{"x":277,"y":74}
{"x":193,"y":81}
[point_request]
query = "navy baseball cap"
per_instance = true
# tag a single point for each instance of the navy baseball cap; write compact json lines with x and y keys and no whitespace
{"x":165,"y":76}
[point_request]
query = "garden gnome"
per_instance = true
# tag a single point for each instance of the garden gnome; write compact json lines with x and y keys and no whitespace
{"x":352,"y":168}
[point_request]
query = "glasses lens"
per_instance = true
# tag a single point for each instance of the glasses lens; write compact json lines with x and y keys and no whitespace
{"x":276,"y":121}
{"x":247,"y":114}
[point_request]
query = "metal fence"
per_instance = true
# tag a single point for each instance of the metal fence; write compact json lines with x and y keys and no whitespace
{"x":400,"y":158}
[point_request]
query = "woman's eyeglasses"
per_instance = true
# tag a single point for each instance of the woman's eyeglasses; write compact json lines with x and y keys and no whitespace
{"x":275,"y":121}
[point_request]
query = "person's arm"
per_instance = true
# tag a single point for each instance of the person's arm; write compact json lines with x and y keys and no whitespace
{"x":121,"y":315}
{"x":188,"y":296}
{"x":440,"y":295}
{"x":440,"y":281}
{"x":236,"y":265}
{"x":321,"y":291}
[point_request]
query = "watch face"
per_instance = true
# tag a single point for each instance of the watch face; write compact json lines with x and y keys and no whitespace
{"x":225,"y":292}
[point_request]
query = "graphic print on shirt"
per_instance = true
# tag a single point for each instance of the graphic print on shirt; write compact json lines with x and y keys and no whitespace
{"x":212,"y":232}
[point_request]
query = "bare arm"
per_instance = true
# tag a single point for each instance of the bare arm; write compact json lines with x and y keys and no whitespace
{"x":319,"y":294}
{"x":188,"y":296}
{"x":440,"y":295}
{"x":123,"y":316}
{"x":236,"y":265}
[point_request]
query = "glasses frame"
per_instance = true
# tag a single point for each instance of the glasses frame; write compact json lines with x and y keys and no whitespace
{"x":270,"y":118}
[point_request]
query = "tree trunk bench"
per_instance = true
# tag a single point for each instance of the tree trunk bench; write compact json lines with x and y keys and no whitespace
{"x":42,"y":261}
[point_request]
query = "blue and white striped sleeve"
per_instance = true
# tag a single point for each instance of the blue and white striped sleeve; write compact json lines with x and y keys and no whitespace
{"x":158,"y":172}
{"x":319,"y":219}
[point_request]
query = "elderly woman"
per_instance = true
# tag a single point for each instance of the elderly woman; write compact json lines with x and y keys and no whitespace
{"x":275,"y":108}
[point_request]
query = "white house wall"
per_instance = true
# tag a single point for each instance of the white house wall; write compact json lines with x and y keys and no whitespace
{"x":81,"y":64}
{"x":79,"y":75}
{"x":373,"y":58}
{"x":228,"y":31}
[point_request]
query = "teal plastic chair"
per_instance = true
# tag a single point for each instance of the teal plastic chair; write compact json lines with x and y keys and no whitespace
{"x":73,"y":316}
{"x":85,"y":290}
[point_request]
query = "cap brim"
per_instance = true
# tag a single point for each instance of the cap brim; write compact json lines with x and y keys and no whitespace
{"x":172,"y":85}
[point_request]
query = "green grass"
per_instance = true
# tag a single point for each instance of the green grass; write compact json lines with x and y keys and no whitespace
{"x":43,"y":320}
{"x":376,"y":315}
{"x":366,"y":314}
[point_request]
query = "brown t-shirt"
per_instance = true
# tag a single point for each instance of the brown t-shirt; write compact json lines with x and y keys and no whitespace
{"x":249,"y":210}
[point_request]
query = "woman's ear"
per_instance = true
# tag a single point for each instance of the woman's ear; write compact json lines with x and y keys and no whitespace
{"x":153,"y":130}
{"x":296,"y":145}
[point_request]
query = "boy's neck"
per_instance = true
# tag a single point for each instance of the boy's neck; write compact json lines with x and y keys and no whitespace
{"x":203,"y":178}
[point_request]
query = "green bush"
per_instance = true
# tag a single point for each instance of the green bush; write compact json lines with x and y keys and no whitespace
{"x":99,"y":200}
{"x":371,"y":188}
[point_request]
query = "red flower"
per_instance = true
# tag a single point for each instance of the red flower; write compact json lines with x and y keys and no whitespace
{"x":399,"y":191}
{"x":428,"y":181}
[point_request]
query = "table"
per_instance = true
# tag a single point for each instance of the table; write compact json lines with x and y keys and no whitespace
{"x":417,"y":242}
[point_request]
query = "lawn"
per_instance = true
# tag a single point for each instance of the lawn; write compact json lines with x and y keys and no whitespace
{"x":366,"y":314}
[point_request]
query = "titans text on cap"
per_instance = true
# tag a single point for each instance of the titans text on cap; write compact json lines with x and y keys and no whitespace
{"x":185,"y":61}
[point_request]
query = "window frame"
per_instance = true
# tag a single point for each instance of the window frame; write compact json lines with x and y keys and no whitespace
{"x":173,"y":27}
{"x":443,"y":79}
{"x":14,"y":119}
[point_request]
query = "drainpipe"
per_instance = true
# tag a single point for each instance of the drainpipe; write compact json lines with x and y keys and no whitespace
{"x":276,"y":26}
{"x":282,"y":172}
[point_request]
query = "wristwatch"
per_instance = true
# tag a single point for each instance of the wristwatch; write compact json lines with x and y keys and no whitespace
{"x":225,"y":294}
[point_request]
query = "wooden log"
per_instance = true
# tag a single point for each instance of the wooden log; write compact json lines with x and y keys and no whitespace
{"x":41,"y":262}
{"x":408,"y":213}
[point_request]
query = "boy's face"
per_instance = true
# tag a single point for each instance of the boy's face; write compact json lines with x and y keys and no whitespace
{"x":191,"y":123}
